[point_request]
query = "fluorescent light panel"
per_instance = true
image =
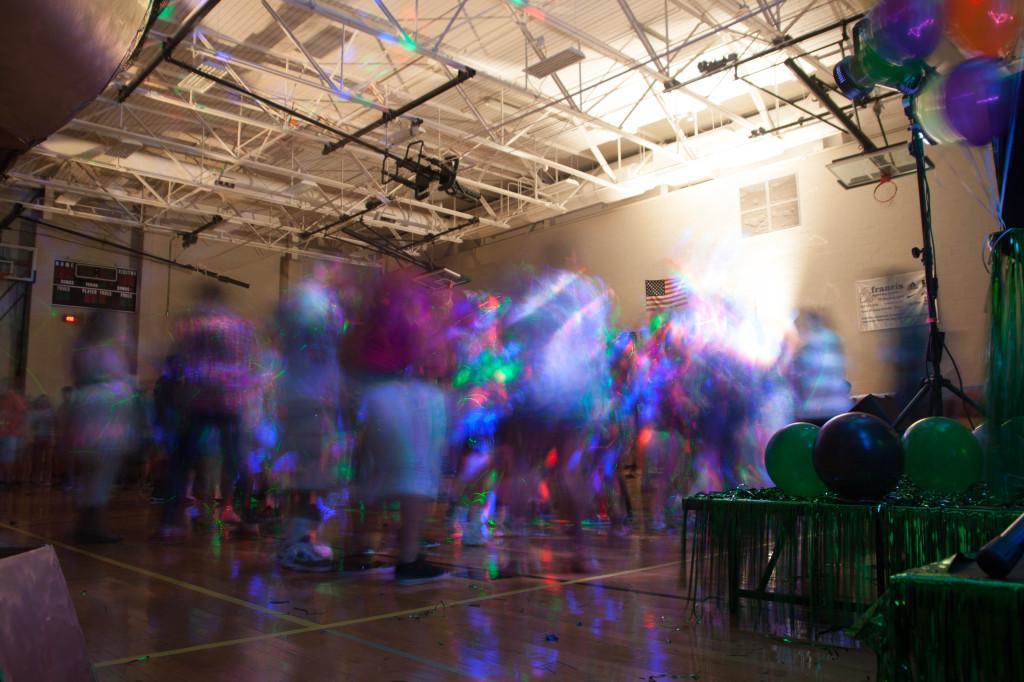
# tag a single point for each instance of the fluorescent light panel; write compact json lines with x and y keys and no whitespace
{"x":555,"y":62}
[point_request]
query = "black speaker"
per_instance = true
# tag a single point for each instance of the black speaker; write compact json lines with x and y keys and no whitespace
{"x":876,"y":406}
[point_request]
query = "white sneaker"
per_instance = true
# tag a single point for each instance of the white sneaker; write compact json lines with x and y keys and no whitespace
{"x":475,"y":531}
{"x":308,"y":557}
{"x":475,"y":535}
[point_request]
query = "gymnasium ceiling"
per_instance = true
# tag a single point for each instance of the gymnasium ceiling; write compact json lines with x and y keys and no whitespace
{"x":638,"y":111}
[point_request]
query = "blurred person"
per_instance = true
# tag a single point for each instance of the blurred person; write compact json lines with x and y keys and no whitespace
{"x":261,"y":426}
{"x":722,"y":382}
{"x":619,"y":430}
{"x":13,"y":411}
{"x":397,"y":354}
{"x":557,"y":334}
{"x":63,"y":463}
{"x":168,"y":398}
{"x":480,"y":398}
{"x":816,"y":369}
{"x":42,"y":426}
{"x":665,"y":416}
{"x":309,"y":324}
{"x":102,"y":419}
{"x":216,"y":347}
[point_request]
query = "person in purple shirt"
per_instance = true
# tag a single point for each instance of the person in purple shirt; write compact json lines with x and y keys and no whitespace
{"x":216,"y":347}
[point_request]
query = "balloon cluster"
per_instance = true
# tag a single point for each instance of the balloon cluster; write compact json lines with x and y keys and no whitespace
{"x":859,"y":456}
{"x":972,"y":102}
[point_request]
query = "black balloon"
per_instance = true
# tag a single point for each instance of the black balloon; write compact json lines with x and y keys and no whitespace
{"x":858,"y":456}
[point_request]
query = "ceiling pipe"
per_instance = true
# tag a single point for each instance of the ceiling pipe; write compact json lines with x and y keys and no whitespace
{"x":782,"y":45}
{"x":450,"y":132}
{"x":142,"y":254}
{"x":253,"y":187}
{"x":280,"y":107}
{"x":162,"y":168}
{"x":383,"y":247}
{"x":171,"y":231}
{"x":212,"y":155}
{"x":432,"y":170}
{"x":190,"y":238}
{"x":463,"y":75}
{"x":362,"y":24}
{"x":371,"y":205}
{"x":107,"y":194}
{"x":294,"y":77}
{"x":814,"y":85}
{"x":166,"y":48}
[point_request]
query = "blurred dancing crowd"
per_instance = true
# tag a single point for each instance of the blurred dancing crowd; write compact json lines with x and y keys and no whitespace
{"x":372,"y":390}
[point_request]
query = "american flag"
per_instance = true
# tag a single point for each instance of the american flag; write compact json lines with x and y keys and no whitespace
{"x":662,"y":294}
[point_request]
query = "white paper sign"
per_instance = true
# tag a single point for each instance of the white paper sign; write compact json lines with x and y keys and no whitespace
{"x":892,"y":301}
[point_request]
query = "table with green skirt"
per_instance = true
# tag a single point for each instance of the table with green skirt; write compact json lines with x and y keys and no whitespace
{"x":833,"y":558}
{"x":948,"y":621}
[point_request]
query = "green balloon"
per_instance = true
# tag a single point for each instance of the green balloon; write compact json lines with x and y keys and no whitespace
{"x":787,"y":457}
{"x":941,"y":455}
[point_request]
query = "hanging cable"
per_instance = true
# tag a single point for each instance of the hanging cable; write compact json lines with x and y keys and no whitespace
{"x":960,"y":381}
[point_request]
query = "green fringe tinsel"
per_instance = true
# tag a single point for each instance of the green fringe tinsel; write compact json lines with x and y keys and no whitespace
{"x":834,"y":558}
{"x":1004,"y":462}
{"x":932,"y":626}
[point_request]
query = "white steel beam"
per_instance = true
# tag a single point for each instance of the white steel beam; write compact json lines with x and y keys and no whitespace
{"x":271,"y":169}
{"x":350,"y":18}
{"x":206,"y":236}
{"x":624,"y":59}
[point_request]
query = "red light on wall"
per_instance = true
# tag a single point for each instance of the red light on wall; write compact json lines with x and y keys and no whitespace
{"x":70,"y":319}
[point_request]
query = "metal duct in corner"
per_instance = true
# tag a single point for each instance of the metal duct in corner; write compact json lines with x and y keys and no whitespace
{"x":57,"y":56}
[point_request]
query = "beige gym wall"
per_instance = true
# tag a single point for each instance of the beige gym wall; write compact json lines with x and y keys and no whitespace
{"x":51,"y":339}
{"x":844,"y":236}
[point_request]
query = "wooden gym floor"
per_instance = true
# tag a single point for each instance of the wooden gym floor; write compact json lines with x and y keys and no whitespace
{"x":218,"y":608}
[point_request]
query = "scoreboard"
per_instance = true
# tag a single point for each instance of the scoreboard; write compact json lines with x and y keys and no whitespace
{"x":95,"y":286}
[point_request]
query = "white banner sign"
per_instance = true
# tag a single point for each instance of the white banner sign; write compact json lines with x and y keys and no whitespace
{"x":892,"y":301}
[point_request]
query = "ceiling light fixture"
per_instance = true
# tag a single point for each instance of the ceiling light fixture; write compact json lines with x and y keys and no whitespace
{"x":555,"y":62}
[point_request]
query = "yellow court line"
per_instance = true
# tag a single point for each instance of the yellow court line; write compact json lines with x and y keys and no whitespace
{"x":307,"y":625}
{"x":313,"y":627}
{"x":157,"y":576}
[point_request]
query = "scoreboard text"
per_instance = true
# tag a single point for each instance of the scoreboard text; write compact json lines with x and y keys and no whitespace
{"x":94,"y":286}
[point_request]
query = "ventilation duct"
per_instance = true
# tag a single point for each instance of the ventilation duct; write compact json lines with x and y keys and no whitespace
{"x":257,"y":187}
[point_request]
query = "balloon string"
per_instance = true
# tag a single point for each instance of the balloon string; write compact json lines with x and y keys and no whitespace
{"x":1009,"y":143}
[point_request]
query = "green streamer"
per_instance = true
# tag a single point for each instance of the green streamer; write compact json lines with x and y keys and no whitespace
{"x":933,"y":626}
{"x":1004,"y":462}
{"x":832,"y":558}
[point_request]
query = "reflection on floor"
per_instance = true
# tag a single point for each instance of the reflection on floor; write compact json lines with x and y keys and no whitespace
{"x":218,"y":608}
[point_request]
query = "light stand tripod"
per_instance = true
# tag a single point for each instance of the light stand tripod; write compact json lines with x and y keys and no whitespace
{"x":933,"y":382}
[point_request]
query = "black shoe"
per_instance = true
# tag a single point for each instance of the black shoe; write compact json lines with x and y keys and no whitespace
{"x":418,"y":572}
{"x":96,"y":536}
{"x":90,"y":529}
{"x":362,"y":565}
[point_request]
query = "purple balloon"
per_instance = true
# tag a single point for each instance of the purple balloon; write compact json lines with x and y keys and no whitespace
{"x":977,"y":97}
{"x":902,"y":30}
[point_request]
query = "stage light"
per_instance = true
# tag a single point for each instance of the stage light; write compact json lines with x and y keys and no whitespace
{"x":889,"y":48}
{"x":857,"y":75}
